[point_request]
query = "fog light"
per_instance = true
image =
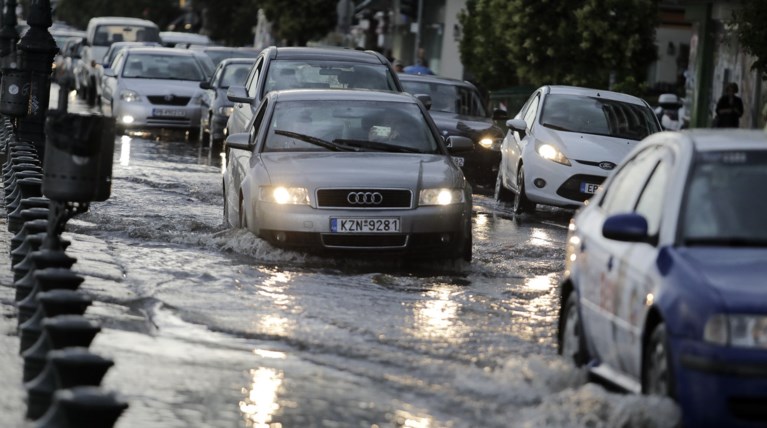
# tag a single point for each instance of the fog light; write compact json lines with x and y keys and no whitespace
{"x":280,"y":236}
{"x":128,"y":119}
{"x":539,"y":183}
{"x":445,"y":238}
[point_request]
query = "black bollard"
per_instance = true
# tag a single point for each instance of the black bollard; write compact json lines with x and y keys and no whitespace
{"x":29,"y":228}
{"x":63,"y":331}
{"x":65,"y":369}
{"x":52,"y":304}
{"x":31,"y":243}
{"x":83,"y":406}
{"x":28,"y":187}
{"x":41,"y":259}
{"x":48,"y":279}
{"x":18,"y":217}
{"x":14,"y":189}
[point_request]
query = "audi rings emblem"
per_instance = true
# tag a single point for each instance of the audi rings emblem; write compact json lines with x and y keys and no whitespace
{"x":364,"y":198}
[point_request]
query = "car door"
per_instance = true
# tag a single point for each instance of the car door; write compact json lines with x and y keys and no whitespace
{"x":637,"y":263}
{"x":510,"y":148}
{"x":109,"y":86}
{"x":242,"y":112}
{"x":520,"y":140}
{"x":602,"y":278}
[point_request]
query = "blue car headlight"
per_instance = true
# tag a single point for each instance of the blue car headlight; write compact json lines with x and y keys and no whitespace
{"x":748,"y":331}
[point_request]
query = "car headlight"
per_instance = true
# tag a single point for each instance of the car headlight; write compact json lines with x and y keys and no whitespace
{"x":225,"y":111}
{"x":440,"y":197}
{"x":490,"y":143}
{"x":130,"y":96}
{"x":547,"y":151}
{"x":285,"y":195}
{"x":748,"y":331}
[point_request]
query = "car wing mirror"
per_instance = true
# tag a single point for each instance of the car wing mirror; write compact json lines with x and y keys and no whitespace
{"x":205,"y":85}
{"x":239,"y":141}
{"x":108,"y":72}
{"x":425,"y":99}
{"x":630,"y":227}
{"x":459,"y":144}
{"x":518,"y":125}
{"x":500,"y":114}
{"x":237,"y":94}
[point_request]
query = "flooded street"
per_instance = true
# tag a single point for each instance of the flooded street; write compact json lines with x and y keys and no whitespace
{"x":211,"y":326}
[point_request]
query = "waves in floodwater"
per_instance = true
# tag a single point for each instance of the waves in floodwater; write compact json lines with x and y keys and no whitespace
{"x":228,"y":330}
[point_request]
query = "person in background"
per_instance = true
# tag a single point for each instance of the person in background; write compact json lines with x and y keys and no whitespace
{"x":420,"y":68}
{"x":398,"y":67}
{"x":729,"y":108}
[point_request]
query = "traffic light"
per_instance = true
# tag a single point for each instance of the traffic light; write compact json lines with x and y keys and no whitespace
{"x":409,"y":8}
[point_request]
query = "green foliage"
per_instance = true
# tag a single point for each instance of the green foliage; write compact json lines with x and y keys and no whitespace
{"x":230,"y":22}
{"x":578,"y":42}
{"x":749,"y":22}
{"x":300,"y":21}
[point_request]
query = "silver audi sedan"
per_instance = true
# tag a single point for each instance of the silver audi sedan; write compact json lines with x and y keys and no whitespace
{"x":349,"y":171}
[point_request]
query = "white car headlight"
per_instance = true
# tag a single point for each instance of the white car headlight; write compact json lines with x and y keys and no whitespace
{"x":130,"y":96}
{"x":440,"y":197}
{"x":549,"y":152}
{"x":748,"y":331}
{"x":285,"y":195}
{"x":226,"y":111}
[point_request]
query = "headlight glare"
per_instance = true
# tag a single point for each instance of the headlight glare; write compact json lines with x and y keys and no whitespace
{"x":440,"y":197}
{"x":549,"y":152}
{"x":130,"y":96}
{"x":225,"y":111}
{"x":285,"y":195}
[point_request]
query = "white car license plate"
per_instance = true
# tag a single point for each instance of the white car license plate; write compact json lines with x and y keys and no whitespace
{"x":589,"y":188}
{"x":365,"y":225}
{"x":458,"y":160}
{"x":169,"y":112}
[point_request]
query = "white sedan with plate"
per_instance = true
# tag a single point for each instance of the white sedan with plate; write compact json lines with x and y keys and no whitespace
{"x":564,"y":142}
{"x":350,"y":171}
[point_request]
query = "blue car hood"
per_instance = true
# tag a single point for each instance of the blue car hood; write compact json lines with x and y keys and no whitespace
{"x":739,"y":275}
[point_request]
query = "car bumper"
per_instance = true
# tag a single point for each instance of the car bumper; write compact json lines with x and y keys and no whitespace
{"x":718,"y":386}
{"x":431,"y":231}
{"x":146,"y":115}
{"x":551,"y":183}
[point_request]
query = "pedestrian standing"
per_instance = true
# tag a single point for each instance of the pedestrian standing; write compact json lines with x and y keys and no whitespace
{"x":729,"y":108}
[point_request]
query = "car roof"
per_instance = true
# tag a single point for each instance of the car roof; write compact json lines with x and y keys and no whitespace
{"x":329,"y":53}
{"x":603,"y":93}
{"x":236,"y":60}
{"x":341,"y":94}
{"x":432,"y":78}
{"x":101,"y":20}
{"x":727,"y":139}
{"x":164,"y":50}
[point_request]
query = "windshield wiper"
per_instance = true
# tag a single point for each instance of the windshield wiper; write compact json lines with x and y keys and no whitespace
{"x":316,"y":141}
{"x":365,"y":144}
{"x":726,"y":241}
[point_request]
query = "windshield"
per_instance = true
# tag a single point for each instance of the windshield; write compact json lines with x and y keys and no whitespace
{"x":448,"y":98}
{"x":107,"y":34}
{"x":727,"y":199}
{"x":598,"y":116}
{"x":153,"y":66}
{"x":346,"y":125}
{"x":234,"y":74}
{"x":296,"y":74}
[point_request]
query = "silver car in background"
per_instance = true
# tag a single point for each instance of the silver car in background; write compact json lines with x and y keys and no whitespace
{"x":156,"y":88}
{"x":349,"y":171}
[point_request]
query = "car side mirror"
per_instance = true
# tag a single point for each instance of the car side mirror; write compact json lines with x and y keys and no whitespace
{"x":500,"y":114}
{"x":518,"y":125}
{"x":204,"y":84}
{"x":630,"y":227}
{"x":239,"y":141}
{"x":459,"y":144}
{"x":425,"y":99}
{"x":108,"y":72}
{"x":237,"y":94}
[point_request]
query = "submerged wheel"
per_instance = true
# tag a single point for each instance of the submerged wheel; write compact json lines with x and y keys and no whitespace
{"x":572,"y":343}
{"x":502,"y":194}
{"x":521,"y":203}
{"x":657,"y":374}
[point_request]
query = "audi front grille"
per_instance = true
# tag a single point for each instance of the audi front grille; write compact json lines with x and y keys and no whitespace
{"x":364,"y":198}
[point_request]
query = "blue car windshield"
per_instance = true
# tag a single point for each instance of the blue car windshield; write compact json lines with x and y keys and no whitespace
{"x":727,"y":200}
{"x":598,"y":116}
{"x":349,"y":125}
{"x":448,"y":98}
{"x":321,"y":74}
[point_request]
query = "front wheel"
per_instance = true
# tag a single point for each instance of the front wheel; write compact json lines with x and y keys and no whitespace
{"x":657,"y":374}
{"x":521,"y":203}
{"x":572,"y":343}
{"x":502,"y":194}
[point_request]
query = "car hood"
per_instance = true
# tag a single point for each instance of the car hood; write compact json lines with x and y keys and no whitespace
{"x":737,"y":274}
{"x":589,"y":147}
{"x":473,"y":127}
{"x":163,"y":87}
{"x":362,"y":170}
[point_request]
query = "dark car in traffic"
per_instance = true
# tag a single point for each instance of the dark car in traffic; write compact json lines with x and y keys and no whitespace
{"x":458,"y":109}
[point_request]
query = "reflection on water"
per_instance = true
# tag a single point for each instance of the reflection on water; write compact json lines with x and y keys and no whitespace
{"x":540,"y":294}
{"x":125,"y":150}
{"x":406,"y":420}
{"x":541,"y":282}
{"x":273,"y":288}
{"x":437,"y":317}
{"x":260,"y":404}
{"x":539,"y":236}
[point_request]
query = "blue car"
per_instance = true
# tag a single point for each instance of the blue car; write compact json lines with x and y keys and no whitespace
{"x":665,"y":283}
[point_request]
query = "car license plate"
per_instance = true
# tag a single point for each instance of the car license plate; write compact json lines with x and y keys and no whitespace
{"x":458,"y":161}
{"x":365,"y":225}
{"x":169,"y":112}
{"x":589,"y":188}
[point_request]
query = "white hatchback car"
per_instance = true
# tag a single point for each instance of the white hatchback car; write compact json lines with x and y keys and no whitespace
{"x":564,"y":142}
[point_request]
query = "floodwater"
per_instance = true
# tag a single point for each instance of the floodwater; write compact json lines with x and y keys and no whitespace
{"x":210,"y":326}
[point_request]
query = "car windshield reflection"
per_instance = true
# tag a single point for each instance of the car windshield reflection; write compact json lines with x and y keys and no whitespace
{"x":349,"y":126}
{"x":314,"y":74}
{"x":163,"y":67}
